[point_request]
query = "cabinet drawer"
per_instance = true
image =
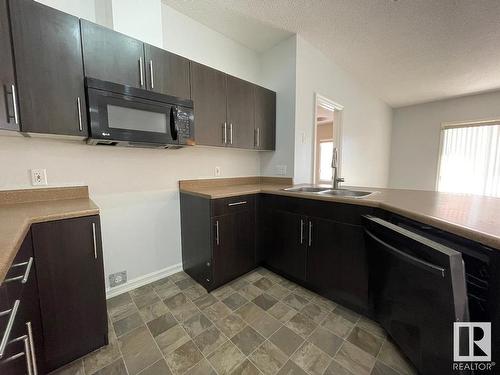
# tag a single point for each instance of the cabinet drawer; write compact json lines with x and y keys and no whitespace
{"x":224,"y":206}
{"x":20,"y":270}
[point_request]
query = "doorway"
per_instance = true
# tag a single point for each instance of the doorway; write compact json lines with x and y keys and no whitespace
{"x":327,"y":123}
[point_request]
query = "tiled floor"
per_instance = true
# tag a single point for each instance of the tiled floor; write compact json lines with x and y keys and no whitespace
{"x":258,"y":324}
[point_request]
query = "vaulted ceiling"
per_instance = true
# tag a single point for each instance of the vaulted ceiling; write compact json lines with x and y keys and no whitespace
{"x":405,"y":51}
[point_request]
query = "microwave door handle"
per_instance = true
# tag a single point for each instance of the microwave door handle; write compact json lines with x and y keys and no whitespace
{"x":422,"y":264}
{"x":173,"y":123}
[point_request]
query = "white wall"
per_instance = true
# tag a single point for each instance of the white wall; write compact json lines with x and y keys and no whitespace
{"x":278,"y":74}
{"x":186,"y":37}
{"x":141,"y":19}
{"x":136,"y":189}
{"x":366,"y":121}
{"x":79,"y":8}
{"x":416,"y":134}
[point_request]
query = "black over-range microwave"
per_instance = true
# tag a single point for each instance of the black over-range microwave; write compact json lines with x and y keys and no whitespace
{"x":127,"y":116}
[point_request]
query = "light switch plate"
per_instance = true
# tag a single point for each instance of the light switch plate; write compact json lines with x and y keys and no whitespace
{"x":38,"y":177}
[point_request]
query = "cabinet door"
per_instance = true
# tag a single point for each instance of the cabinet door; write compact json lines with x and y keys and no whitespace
{"x":71,"y":286}
{"x":240,"y":113}
{"x":234,"y":245}
{"x":336,"y":263}
{"x":265,"y":118}
{"x":208,"y":92}
{"x":287,"y":251}
{"x":112,"y":56}
{"x":49,"y":69}
{"x":167,"y":73}
{"x":7,"y":79}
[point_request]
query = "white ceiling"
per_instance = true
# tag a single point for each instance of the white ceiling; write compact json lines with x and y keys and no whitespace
{"x":406,"y":51}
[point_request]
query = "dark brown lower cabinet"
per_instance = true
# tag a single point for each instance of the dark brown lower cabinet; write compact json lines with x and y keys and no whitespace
{"x":218,"y":238}
{"x":286,"y":243}
{"x":234,"y":245}
{"x":336,"y":262}
{"x":70,"y":274}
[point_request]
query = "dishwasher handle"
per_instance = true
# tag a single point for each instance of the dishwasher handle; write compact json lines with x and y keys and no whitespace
{"x":422,"y":264}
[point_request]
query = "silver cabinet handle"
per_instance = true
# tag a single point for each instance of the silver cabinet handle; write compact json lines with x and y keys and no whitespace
{"x":24,"y":278}
{"x":32,"y":348}
{"x":224,"y":134}
{"x":217,"y":232}
{"x":258,"y":137}
{"x":14,"y":104}
{"x":10,"y":323}
{"x":28,"y":356}
{"x":231,"y":133}
{"x":95,"y":240}
{"x":141,"y":72}
{"x":79,"y":106}
{"x":151,"y":74}
{"x":237,"y":203}
{"x":310,"y":232}
{"x":301,"y":231}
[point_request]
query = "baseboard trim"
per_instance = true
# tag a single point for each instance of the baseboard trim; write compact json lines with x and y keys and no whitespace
{"x":143,"y":280}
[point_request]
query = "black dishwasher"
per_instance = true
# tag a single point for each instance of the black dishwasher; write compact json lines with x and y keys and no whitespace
{"x":417,"y":290}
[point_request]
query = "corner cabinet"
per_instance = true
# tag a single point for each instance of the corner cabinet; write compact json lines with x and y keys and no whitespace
{"x":49,"y":70}
{"x":218,"y":238}
{"x":54,"y":296}
{"x":68,"y":255}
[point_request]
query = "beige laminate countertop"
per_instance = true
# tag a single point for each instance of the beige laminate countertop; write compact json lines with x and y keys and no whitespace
{"x":21,"y":208}
{"x":471,"y":216}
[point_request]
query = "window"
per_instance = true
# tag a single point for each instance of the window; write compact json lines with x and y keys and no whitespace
{"x":325,"y":160}
{"x":470,"y":159}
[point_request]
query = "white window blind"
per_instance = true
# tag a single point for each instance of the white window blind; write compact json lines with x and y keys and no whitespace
{"x":470,"y":159}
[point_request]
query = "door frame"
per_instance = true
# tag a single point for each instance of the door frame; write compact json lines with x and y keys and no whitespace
{"x":323,"y":101}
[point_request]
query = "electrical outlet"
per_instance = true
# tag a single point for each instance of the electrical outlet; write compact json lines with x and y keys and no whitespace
{"x":281,"y":170}
{"x":38,"y":177}
{"x":217,"y":171}
{"x":117,"y":278}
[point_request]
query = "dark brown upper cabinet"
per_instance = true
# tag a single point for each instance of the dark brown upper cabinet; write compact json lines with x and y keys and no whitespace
{"x":226,"y":109}
{"x":8,"y":117}
{"x":265,"y":118}
{"x":167,"y":73}
{"x":71,"y":288}
{"x":112,"y":56}
{"x":49,"y":69}
{"x":240,"y":113}
{"x":208,"y":92}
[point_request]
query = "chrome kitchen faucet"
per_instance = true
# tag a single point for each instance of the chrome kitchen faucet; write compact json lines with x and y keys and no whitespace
{"x":335,"y":160}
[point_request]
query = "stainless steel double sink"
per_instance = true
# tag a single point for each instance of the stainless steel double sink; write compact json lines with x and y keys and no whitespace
{"x":328,"y":191}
